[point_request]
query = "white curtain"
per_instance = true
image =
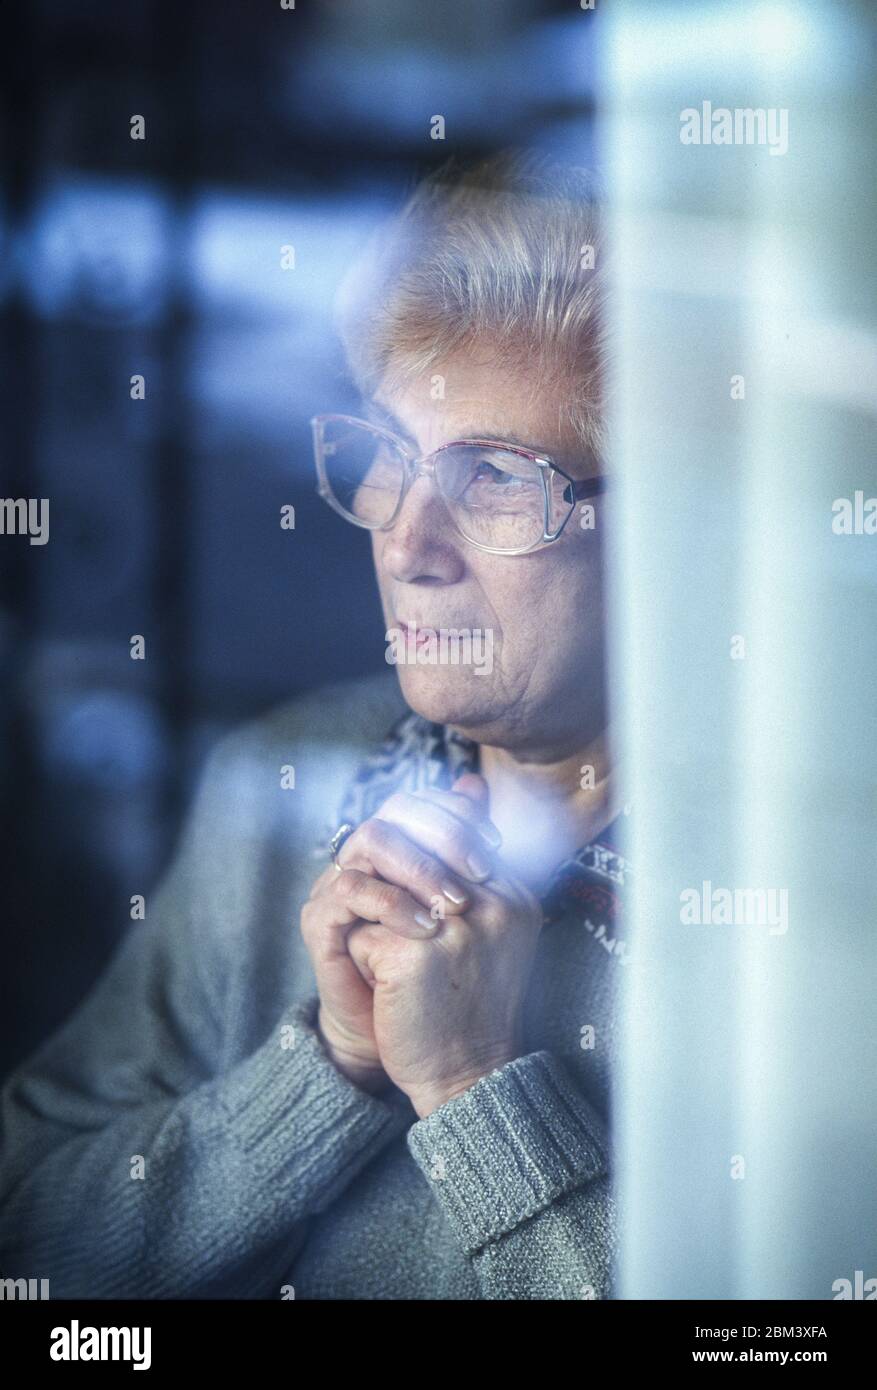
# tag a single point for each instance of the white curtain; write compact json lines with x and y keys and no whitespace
{"x":746,"y":651}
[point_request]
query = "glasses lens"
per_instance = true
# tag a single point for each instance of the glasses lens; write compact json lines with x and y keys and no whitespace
{"x":364,"y":471}
{"x":496,"y":496}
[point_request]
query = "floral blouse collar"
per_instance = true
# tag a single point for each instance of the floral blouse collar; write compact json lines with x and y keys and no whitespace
{"x":417,"y":754}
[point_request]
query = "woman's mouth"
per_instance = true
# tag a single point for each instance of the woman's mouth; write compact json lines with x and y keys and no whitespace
{"x":413,"y":632}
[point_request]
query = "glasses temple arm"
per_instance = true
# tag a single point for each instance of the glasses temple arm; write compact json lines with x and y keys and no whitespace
{"x":585,"y":487}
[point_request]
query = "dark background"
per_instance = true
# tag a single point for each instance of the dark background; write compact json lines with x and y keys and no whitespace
{"x":264,"y":127}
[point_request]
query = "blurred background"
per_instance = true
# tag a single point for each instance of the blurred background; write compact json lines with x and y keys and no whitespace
{"x":161,"y":257}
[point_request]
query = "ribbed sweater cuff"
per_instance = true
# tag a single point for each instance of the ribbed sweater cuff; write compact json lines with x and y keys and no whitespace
{"x":298,"y":1119}
{"x":509,"y":1146}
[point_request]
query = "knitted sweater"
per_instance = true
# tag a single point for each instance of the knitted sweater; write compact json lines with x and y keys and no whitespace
{"x":185,"y":1134}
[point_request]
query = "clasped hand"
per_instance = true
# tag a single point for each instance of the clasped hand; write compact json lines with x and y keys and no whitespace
{"x":422,"y":947}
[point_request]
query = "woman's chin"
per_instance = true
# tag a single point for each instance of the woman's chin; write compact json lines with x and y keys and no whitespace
{"x":447,"y":695}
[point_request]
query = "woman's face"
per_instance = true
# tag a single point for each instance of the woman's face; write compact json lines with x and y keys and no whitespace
{"x":543,"y":689}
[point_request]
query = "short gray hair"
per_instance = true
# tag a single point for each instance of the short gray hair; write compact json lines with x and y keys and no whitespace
{"x":507,"y":249}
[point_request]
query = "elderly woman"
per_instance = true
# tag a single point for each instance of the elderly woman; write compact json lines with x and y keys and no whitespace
{"x":404,"y":1092}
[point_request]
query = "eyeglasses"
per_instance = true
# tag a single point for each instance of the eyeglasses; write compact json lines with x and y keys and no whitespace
{"x":501,"y":498}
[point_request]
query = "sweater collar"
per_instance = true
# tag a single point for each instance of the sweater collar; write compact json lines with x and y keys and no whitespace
{"x":417,"y":754}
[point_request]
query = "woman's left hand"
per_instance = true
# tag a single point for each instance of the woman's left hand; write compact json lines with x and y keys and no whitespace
{"x":447,"y":1009}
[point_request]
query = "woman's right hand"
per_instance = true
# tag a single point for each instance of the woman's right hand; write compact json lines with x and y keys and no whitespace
{"x":374,"y":862}
{"x":344,"y":1022}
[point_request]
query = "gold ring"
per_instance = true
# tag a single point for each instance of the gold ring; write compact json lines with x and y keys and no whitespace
{"x":341,"y":834}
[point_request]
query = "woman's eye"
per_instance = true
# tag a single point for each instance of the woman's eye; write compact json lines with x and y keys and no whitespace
{"x":489,"y":473}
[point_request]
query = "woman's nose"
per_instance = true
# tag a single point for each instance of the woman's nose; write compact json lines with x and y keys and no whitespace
{"x":422,"y":539}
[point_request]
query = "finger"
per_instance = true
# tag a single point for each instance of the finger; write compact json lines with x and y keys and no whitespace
{"x":474,"y":787}
{"x":438,"y":830}
{"x":384,"y":849}
{"x":324,"y":882}
{"x":465,"y":808}
{"x":373,"y":900}
{"x":325,"y":924}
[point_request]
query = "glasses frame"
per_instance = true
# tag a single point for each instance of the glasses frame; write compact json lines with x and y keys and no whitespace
{"x":424,"y":464}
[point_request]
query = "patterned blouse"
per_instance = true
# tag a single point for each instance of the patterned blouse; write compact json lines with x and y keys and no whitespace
{"x":417,"y":754}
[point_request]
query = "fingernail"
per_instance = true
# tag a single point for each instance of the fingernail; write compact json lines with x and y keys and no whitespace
{"x":424,"y":920}
{"x":454,"y":894}
{"x":491,"y":835}
{"x":479,"y":867}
